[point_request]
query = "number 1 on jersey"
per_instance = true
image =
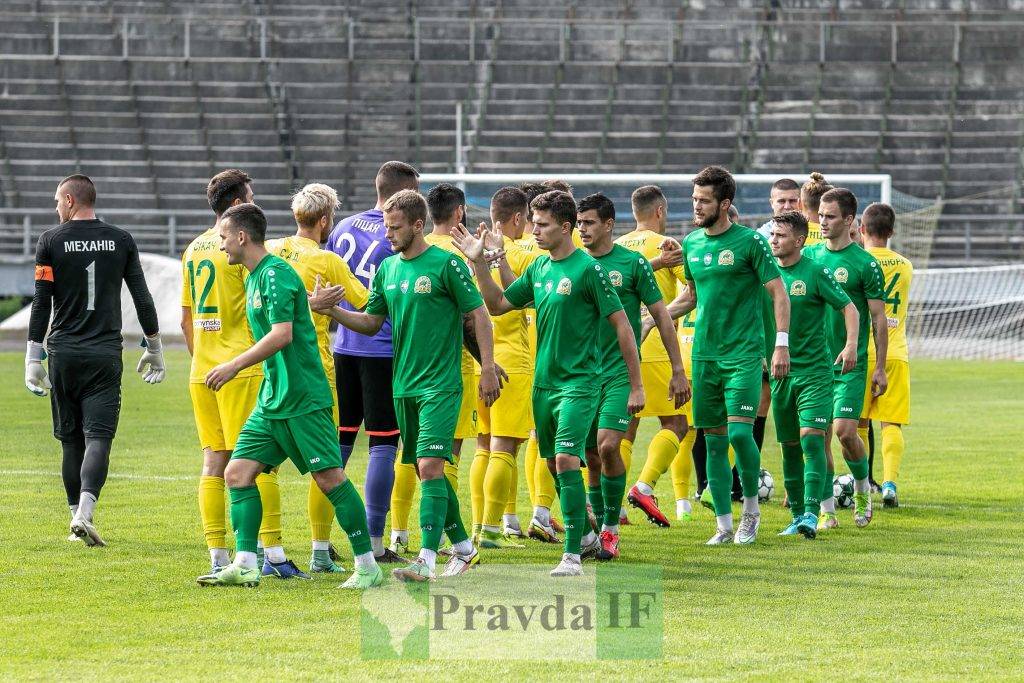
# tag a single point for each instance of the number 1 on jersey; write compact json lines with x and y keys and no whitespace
{"x":90,"y":277}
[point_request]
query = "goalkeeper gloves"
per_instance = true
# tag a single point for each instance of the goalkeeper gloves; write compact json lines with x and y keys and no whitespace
{"x":151,"y":365}
{"x":35,"y":374}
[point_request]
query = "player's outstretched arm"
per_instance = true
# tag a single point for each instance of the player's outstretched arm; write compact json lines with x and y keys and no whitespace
{"x":780,"y":304}
{"x":880,"y":325}
{"x":678,"y":385}
{"x":473,"y":248}
{"x":685,"y":302}
{"x":630,"y":353}
{"x":671,"y":255}
{"x":280,"y":336}
{"x":490,"y":374}
{"x":847,"y":358}
{"x":325,"y":299}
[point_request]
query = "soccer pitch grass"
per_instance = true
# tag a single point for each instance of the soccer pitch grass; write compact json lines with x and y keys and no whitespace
{"x":931,"y":590}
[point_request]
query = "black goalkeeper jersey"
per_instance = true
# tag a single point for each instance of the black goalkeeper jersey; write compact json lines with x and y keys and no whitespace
{"x":80,"y":265}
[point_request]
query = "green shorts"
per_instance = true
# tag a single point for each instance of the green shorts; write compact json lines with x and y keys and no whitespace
{"x":724,"y":389}
{"x":848,"y":393}
{"x":562,"y":418}
{"x":801,"y":401}
{"x":612,"y":404}
{"x":427,"y":423}
{"x":309,"y":440}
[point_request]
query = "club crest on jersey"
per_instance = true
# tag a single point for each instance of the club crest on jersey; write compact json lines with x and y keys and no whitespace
{"x":257,"y":300}
{"x":548,"y":286}
{"x":422,"y":285}
{"x":564,"y":286}
{"x":707,"y":259}
{"x":404,"y":286}
{"x":726,"y":258}
{"x":798,"y":288}
{"x":841,"y":275}
{"x":616,"y":278}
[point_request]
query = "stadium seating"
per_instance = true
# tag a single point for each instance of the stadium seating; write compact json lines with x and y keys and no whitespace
{"x":151,"y":98}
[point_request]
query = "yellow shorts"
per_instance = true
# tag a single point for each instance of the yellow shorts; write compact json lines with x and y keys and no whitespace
{"x":465,"y":428}
{"x":512,"y":414}
{"x":688,"y":369}
{"x":221,"y":414}
{"x":656,"y":376}
{"x":894,"y":405}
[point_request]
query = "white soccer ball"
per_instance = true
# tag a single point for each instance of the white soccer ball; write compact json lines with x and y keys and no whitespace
{"x":842,"y":489}
{"x":765,"y":486}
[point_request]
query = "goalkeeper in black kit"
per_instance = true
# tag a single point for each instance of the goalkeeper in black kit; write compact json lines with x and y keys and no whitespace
{"x":80,"y":265}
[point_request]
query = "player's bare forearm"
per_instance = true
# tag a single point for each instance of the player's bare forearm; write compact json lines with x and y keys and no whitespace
{"x":469,"y":339}
{"x":357,"y":321}
{"x":780,"y":303}
{"x":186,"y":328}
{"x":684,"y":303}
{"x":880,"y":324}
{"x":505,"y":271}
{"x":280,"y":336}
{"x":659,"y":312}
{"x":494,"y":296}
{"x":490,"y":374}
{"x":851,"y":316}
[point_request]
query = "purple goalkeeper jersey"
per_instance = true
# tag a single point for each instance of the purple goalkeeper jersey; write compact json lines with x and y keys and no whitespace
{"x":360,"y":241}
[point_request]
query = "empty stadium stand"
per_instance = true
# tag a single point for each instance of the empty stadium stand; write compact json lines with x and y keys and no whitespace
{"x":151,"y":98}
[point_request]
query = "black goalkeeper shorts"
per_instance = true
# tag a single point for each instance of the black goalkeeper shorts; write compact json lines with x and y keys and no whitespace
{"x":86,"y":395}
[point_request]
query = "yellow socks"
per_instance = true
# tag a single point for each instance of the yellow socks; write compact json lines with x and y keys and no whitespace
{"x":862,"y":432}
{"x":477,"y":473}
{"x":626,"y":451}
{"x":451,"y":471}
{"x":500,"y":467}
{"x":682,"y":466}
{"x":892,"y":451}
{"x":211,"y":511}
{"x":321,"y":512}
{"x":401,"y":494}
{"x":512,"y":496}
{"x":529,"y":466}
{"x":270,"y":495}
{"x":662,"y":451}
{"x":544,"y":484}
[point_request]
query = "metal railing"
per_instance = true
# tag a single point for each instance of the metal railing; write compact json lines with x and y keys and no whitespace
{"x":466,"y":40}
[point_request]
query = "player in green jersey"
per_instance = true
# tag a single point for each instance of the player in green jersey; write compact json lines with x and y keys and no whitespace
{"x":633,"y":279}
{"x":860,"y":276}
{"x":802,"y":401}
{"x":427,"y":290}
{"x":572,"y":294}
{"x":293,"y":417}
{"x":725,"y":265}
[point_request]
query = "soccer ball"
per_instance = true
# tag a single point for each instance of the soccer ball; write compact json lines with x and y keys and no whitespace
{"x":765,"y":486}
{"x":842,"y":489}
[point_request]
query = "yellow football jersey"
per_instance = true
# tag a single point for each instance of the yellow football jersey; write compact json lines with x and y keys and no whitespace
{"x":309,"y":259}
{"x":215,"y":292}
{"x":469,"y":363}
{"x":648,"y":243}
{"x":512,"y":349}
{"x":897,"y":271}
{"x":813,"y":234}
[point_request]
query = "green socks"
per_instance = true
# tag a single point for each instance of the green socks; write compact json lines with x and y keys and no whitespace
{"x":574,"y":508}
{"x":748,"y":457}
{"x":613,"y":489}
{"x":433,"y":511}
{"x":596,"y":496}
{"x":813,"y":446}
{"x":719,"y":472}
{"x":246,"y":515}
{"x":793,"y":476}
{"x":453,"y":525}
{"x":858,"y":468}
{"x":351,"y":515}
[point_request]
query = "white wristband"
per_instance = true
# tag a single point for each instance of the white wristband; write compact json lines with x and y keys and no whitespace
{"x":782,"y":339}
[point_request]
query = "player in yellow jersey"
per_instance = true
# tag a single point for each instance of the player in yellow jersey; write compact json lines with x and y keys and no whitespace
{"x":810,"y":201}
{"x":313,"y":208}
{"x":892,"y":408}
{"x":216,"y":330}
{"x":650,"y":209}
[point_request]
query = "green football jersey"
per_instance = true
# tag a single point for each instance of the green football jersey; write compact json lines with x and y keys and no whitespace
{"x":728,"y":271}
{"x":812,"y":295}
{"x":631,"y":276}
{"x":294,"y":382}
{"x":571,"y":296}
{"x":860,"y":276}
{"x":426,"y":298}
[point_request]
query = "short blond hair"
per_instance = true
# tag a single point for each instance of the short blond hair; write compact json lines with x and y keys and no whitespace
{"x":410,"y":202}
{"x":312,"y":203}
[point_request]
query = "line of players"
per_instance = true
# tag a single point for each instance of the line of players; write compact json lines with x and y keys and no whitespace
{"x":363,"y":364}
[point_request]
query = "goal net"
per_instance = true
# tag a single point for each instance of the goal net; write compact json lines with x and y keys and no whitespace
{"x":969,"y":313}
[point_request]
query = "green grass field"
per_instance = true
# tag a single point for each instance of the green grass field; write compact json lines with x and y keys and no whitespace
{"x":932,"y":590}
